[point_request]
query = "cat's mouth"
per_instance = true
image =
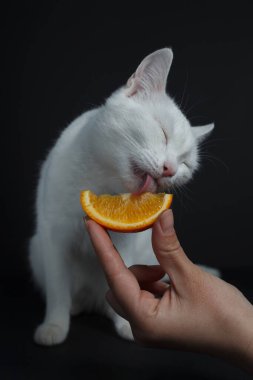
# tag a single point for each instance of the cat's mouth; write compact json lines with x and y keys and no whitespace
{"x":146,"y":183}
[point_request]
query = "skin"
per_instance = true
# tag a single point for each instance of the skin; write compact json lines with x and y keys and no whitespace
{"x":196,"y":312}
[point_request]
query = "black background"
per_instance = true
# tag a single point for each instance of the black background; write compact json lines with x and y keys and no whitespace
{"x":61,"y":58}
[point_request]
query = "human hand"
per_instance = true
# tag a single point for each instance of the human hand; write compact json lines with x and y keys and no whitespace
{"x":197,"y":311}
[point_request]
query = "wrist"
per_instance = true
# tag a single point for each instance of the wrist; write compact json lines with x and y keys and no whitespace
{"x":245,"y":357}
{"x":239,"y":349}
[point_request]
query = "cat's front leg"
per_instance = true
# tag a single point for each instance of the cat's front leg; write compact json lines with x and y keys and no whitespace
{"x":121,"y":325}
{"x":55,"y":326}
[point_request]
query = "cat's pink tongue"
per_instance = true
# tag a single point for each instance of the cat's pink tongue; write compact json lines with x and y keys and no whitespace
{"x":145,"y":186}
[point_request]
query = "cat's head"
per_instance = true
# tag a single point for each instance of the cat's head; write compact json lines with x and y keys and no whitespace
{"x":146,"y":142}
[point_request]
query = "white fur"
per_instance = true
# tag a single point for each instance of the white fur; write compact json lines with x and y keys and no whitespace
{"x":138,"y":124}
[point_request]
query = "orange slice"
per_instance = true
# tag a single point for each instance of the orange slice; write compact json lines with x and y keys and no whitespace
{"x":125,"y":212}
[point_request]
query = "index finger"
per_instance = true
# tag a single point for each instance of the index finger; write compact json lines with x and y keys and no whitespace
{"x":121,"y":280}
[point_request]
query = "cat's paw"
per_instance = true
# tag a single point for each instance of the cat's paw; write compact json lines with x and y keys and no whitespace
{"x":123,"y":328}
{"x":49,"y":334}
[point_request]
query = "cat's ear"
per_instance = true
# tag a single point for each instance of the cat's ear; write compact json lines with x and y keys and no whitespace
{"x":202,"y":131}
{"x":151,"y":74}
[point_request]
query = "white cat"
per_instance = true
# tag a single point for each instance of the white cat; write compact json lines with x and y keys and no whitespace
{"x":139,"y":140}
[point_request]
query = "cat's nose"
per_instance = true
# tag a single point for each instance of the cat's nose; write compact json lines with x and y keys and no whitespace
{"x":168,"y":170}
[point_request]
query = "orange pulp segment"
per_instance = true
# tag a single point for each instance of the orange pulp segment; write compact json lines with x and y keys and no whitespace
{"x":125,"y":212}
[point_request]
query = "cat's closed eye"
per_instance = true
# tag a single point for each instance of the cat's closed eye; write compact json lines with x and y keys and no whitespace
{"x":165,"y":135}
{"x":186,"y":164}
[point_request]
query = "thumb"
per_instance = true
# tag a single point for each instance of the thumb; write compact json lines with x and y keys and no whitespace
{"x":169,"y":252}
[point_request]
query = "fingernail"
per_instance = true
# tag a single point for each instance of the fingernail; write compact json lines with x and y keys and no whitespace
{"x":85,"y":219}
{"x":166,"y":222}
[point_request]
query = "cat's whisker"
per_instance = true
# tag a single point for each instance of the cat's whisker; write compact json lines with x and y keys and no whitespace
{"x":203,"y":100}
{"x":213,"y":159}
{"x":183,"y":191}
{"x":181,"y":105}
{"x":188,"y":193}
{"x":210,"y":157}
{"x":214,"y":141}
{"x":176,"y":190}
